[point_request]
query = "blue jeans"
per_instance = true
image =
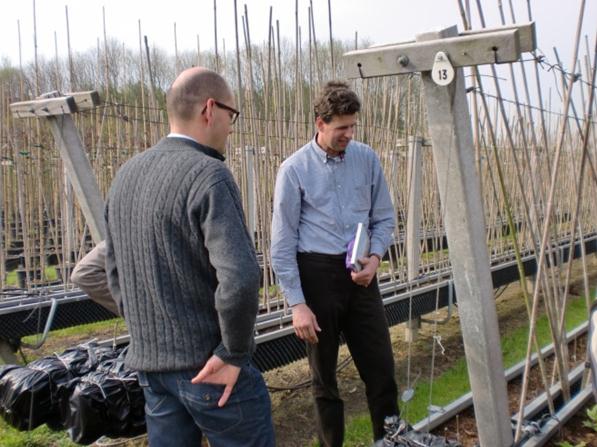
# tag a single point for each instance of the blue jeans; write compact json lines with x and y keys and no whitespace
{"x":178,"y":413}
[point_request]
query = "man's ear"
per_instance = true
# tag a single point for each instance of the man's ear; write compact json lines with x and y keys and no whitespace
{"x":209,"y":107}
{"x":319,"y":123}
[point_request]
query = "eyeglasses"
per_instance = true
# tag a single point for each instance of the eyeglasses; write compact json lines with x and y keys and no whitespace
{"x":234,"y":112}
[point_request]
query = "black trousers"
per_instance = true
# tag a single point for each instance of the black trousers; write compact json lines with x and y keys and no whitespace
{"x":343,"y":307}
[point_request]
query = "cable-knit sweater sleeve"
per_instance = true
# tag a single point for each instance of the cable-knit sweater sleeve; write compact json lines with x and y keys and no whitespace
{"x":218,"y":213}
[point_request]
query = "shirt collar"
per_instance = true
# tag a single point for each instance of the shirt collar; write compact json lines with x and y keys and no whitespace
{"x":323,"y":155}
{"x":205,"y":149}
{"x":181,"y":135}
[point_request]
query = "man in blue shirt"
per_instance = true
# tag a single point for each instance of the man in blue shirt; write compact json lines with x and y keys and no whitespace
{"x":322,"y":192}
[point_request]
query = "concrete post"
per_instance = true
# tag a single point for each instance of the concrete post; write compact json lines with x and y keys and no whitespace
{"x":251,"y":197}
{"x":459,"y":187}
{"x":80,"y":174}
{"x":413,"y":223}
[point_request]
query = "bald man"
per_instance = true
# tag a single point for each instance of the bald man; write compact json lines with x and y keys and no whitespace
{"x":181,"y":258}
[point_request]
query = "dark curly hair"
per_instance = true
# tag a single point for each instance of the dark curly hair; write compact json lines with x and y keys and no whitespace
{"x":336,"y":99}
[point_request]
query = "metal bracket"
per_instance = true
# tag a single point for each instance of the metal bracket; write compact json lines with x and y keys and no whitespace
{"x":487,"y":46}
{"x":47,"y":327}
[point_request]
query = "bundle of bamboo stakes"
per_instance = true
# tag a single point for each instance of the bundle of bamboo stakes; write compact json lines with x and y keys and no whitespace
{"x":537,"y":163}
{"x":275,"y":84}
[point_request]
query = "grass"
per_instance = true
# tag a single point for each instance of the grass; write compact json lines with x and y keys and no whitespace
{"x":273,"y":291}
{"x":591,"y":421}
{"x":11,"y":278}
{"x":61,"y":339}
{"x":83,"y":331}
{"x":432,"y":255}
{"x":454,"y":382}
{"x":40,"y":437}
{"x":50,"y":274}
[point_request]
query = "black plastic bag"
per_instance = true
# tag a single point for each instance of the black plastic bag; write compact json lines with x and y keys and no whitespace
{"x":401,"y":434}
{"x":30,"y":396}
{"x":95,"y":356}
{"x":4,"y":369}
{"x":26,"y":394}
{"x":106,"y":402}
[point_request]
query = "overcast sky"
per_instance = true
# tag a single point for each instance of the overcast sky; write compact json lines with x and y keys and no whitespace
{"x":380,"y":21}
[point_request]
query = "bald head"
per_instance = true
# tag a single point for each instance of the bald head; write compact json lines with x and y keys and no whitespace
{"x":192,"y":88}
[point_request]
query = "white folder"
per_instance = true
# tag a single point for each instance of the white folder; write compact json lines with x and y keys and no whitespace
{"x":360,"y":248}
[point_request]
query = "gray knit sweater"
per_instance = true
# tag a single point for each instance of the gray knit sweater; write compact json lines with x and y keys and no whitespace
{"x":179,"y":254}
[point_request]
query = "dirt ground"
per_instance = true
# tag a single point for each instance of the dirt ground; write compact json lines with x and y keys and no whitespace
{"x":292,"y":408}
{"x":464,"y":427}
{"x":575,"y":432}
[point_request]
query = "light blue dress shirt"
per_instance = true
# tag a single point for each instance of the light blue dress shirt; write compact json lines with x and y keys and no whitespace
{"x":318,"y":202}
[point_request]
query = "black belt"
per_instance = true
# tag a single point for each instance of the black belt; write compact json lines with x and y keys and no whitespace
{"x":322,"y":256}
